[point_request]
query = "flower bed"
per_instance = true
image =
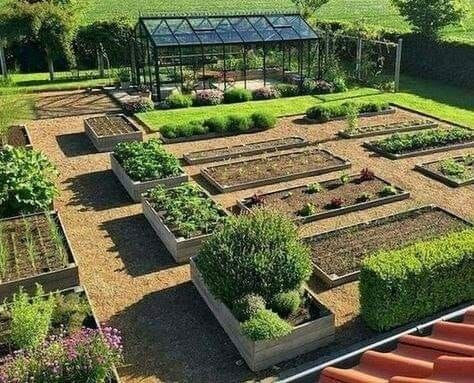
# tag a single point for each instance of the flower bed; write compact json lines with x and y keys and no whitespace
{"x":183,"y":217}
{"x":333,"y":112}
{"x":273,"y":168}
{"x":140,"y":166}
{"x":425,"y":142}
{"x":107,"y":131}
{"x":327,"y":199}
{"x":455,"y":171}
{"x":18,"y":136}
{"x":35,"y":249}
{"x":337,"y":254}
{"x":377,"y":130}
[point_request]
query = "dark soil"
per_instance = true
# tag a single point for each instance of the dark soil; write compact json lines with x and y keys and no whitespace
{"x":308,"y":312}
{"x":110,"y":126}
{"x":467,"y":175}
{"x":341,"y":251}
{"x":272,"y":166}
{"x":392,"y":126}
{"x":17,"y":137}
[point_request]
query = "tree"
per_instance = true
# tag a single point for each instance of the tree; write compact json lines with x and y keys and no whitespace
{"x":308,"y":8}
{"x":429,"y":17}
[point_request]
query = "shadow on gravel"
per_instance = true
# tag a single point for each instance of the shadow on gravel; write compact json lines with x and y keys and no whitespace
{"x":75,"y":145}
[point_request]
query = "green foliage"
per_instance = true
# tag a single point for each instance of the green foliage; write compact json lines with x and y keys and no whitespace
{"x":286,"y":303}
{"x":452,"y":168}
{"x":178,"y":100}
{"x":217,"y":124}
{"x":137,"y":105}
{"x":239,"y":123}
{"x":258,"y":253}
{"x":234,"y":95}
{"x":70,"y":311}
{"x":352,"y":118}
{"x":308,"y":210}
{"x":400,"y":286}
{"x":248,"y":306}
{"x":265,"y":325}
{"x":193,"y":128}
{"x":123,"y":74}
{"x":27,"y":182}
{"x":287,"y":90}
{"x":313,"y":188}
{"x":145,"y":161}
{"x":263,"y":120}
{"x":308,"y":8}
{"x":388,"y":190}
{"x":345,"y":178}
{"x":325,"y":112}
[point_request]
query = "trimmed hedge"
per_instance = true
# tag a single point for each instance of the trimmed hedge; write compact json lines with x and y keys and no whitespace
{"x":178,"y":101}
{"x":235,"y":95}
{"x":325,"y":112}
{"x":400,"y":286}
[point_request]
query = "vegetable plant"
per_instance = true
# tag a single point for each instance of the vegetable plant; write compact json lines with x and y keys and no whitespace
{"x":307,"y":210}
{"x":336,"y":203}
{"x":286,"y":303}
{"x":388,"y":190}
{"x":367,"y":175}
{"x":452,"y":168}
{"x":313,"y":188}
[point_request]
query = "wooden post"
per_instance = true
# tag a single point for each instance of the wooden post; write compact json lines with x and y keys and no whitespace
{"x":359,"y":57}
{"x":3,"y":62}
{"x":398,"y":64}
{"x":100,"y":63}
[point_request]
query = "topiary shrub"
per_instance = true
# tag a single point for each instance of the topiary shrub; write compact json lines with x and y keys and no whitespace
{"x":248,"y":306}
{"x":287,"y":90}
{"x":265,"y":325}
{"x":286,"y":303}
{"x":178,"y":100}
{"x":137,"y":105}
{"x":263,"y":120}
{"x":265,"y":93}
{"x":208,"y":97}
{"x":239,"y":123}
{"x":235,"y":95}
{"x":217,"y":124}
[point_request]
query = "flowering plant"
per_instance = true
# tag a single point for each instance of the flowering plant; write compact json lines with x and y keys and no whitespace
{"x":266,"y":93}
{"x":208,"y":97}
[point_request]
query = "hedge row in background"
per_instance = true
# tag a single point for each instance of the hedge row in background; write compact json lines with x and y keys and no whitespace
{"x":400,"y":286}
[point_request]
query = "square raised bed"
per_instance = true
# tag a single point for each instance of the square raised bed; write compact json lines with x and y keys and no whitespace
{"x":263,"y":354}
{"x":435,"y":170}
{"x":337,"y":254}
{"x":107,"y":131}
{"x":304,"y":204}
{"x":34,"y":249}
{"x":18,"y":136}
{"x":394,"y":127}
{"x":274,"y":168}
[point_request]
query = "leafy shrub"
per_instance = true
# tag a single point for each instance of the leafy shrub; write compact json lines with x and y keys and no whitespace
{"x":388,"y":190}
{"x":363,"y":197}
{"x":235,"y":95}
{"x":369,"y":106}
{"x":208,"y":97}
{"x":287,"y":90}
{"x":339,"y":84}
{"x":257,"y":253}
{"x":265,"y":325}
{"x":137,"y":105}
{"x":145,"y":161}
{"x":217,"y":124}
{"x":178,"y":100}
{"x":239,"y":123}
{"x":27,"y":182}
{"x":286,"y":303}
{"x":266,"y":93}
{"x":263,"y":120}
{"x":325,"y":112}
{"x":70,"y":311}
{"x":248,"y":306}
{"x":400,"y":286}
{"x":187,"y":129}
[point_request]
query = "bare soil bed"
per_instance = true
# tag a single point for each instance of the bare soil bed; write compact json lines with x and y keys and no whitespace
{"x":435,"y":170}
{"x":110,"y":126}
{"x":18,"y":136}
{"x":375,"y":130}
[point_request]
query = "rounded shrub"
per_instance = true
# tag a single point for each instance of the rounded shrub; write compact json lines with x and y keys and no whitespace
{"x":265,"y":325}
{"x":217,"y":124}
{"x":208,"y":97}
{"x":178,"y":100}
{"x":234,"y":95}
{"x":137,"y":105}
{"x":265,"y":93}
{"x":248,"y":306}
{"x":287,"y":90}
{"x":257,"y":253}
{"x":239,"y":123}
{"x":263,"y":120}
{"x":286,"y":303}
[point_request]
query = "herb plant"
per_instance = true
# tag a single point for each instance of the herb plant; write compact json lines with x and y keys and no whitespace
{"x":307,"y":210}
{"x":452,"y":168}
{"x":336,"y":203}
{"x":388,"y":190}
{"x":313,"y":188}
{"x":367,"y":175}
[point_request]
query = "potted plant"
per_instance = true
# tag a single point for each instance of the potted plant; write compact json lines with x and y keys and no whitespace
{"x":123,"y":74}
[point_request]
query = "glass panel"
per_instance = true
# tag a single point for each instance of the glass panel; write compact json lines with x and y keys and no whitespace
{"x":300,"y":26}
{"x":160,"y":32}
{"x":278,"y":21}
{"x":225,"y":30}
{"x":183,"y":32}
{"x":245,"y":29}
{"x":287,"y":33}
{"x":264,"y":28}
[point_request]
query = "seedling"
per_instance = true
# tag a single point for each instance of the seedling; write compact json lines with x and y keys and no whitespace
{"x":58,"y":240}
{"x":366,"y":175}
{"x":336,"y":203}
{"x":364,"y":197}
{"x":345,"y":178}
{"x":388,"y":190}
{"x":307,"y":210}
{"x":314,"y":188}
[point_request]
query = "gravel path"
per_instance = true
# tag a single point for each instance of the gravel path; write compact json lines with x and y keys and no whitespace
{"x":170,"y":335}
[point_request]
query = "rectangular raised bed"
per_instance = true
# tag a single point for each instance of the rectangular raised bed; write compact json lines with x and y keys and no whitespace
{"x":339,"y":164}
{"x":391,"y":129}
{"x":244,"y":150}
{"x":437,"y":175}
{"x":398,"y":229}
{"x":401,"y":195}
{"x":135,"y":188}
{"x":263,"y":354}
{"x":107,"y":142}
{"x":19,"y":136}
{"x":51,"y":280}
{"x":390,"y":110}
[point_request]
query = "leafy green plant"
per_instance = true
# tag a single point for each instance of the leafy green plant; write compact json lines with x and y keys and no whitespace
{"x":187,"y":129}
{"x":266,"y":325}
{"x":363,"y":197}
{"x":452,"y":168}
{"x":239,"y":123}
{"x":352,"y":119}
{"x":388,"y":190}
{"x":287,"y":90}
{"x":313,"y":188}
{"x":58,"y":240}
{"x":263,"y":120}
{"x":286,"y":303}
{"x":70,"y":311}
{"x":248,"y":306}
{"x":345,"y":178}
{"x":217,"y":124}
{"x":307,"y":210}
{"x":326,"y":112}
{"x":178,"y":100}
{"x":235,"y":95}
{"x":123,"y":74}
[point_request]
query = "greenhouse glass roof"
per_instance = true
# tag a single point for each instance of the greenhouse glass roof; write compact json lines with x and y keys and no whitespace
{"x":209,"y":30}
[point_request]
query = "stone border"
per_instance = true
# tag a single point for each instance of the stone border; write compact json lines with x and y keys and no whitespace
{"x":59,"y":279}
{"x":333,"y":280}
{"x":107,"y":143}
{"x":263,"y":354}
{"x":247,"y":153}
{"x":432,"y":125}
{"x":268,"y":181}
{"x":135,"y":188}
{"x":440,"y":177}
{"x":402,"y":195}
{"x":390,"y":110}
{"x":200,"y":137}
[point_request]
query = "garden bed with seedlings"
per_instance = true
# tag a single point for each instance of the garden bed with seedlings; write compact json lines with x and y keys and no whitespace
{"x":273,"y":168}
{"x":337,"y":254}
{"x":232,"y":152}
{"x":18,"y":136}
{"x":141,"y":166}
{"x":403,"y":145}
{"x":183,"y":217}
{"x":34,"y":249}
{"x":327,"y":199}
{"x":394,"y":127}
{"x":455,"y":171}
{"x":107,"y":131}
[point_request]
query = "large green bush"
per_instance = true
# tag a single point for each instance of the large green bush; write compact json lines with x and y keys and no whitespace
{"x":178,"y":101}
{"x":400,"y":286}
{"x":234,"y":95}
{"x":263,"y":120}
{"x":326,"y":112}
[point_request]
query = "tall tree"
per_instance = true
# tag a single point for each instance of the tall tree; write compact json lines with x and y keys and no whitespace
{"x":308,"y":8}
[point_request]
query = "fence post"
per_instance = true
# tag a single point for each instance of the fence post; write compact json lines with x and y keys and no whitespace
{"x":358,"y":57}
{"x":3,"y":62}
{"x":398,"y":64}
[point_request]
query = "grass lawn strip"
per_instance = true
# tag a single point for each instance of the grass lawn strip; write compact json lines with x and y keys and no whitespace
{"x":454,"y":171}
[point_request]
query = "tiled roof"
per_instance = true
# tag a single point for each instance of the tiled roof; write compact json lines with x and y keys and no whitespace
{"x":445,"y":356}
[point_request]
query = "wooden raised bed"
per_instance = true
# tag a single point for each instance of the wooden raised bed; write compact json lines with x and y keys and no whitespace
{"x":430,"y":169}
{"x":337,"y":253}
{"x":53,"y":274}
{"x":390,"y":110}
{"x":19,"y":137}
{"x":282,"y":195}
{"x":329,"y":163}
{"x":114,"y":129}
{"x":136,"y":188}
{"x":397,"y":127}
{"x":231,"y":152}
{"x":263,"y":354}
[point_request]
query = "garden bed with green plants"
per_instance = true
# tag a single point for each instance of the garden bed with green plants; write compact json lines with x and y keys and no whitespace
{"x":327,"y":199}
{"x":256,"y":289}
{"x":403,"y":145}
{"x":35,"y":249}
{"x":17,"y":136}
{"x":377,"y":130}
{"x":183,"y":217}
{"x":141,"y":166}
{"x":337,"y":254}
{"x":333,"y":112}
{"x":455,"y":171}
{"x":273,"y":168}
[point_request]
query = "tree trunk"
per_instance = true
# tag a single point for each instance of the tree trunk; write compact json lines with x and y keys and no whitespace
{"x":3,"y":62}
{"x":50,"y":67}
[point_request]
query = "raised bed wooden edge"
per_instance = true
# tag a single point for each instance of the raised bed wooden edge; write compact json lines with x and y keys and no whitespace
{"x":263,"y":354}
{"x":440,"y":177}
{"x":200,"y":137}
{"x":107,"y":143}
{"x":390,"y":110}
{"x":247,"y":185}
{"x":402,"y":194}
{"x":52,"y":280}
{"x":431,"y":125}
{"x":249,"y":152}
{"x":333,"y":280}
{"x":134,"y":188}
{"x":26,"y":133}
